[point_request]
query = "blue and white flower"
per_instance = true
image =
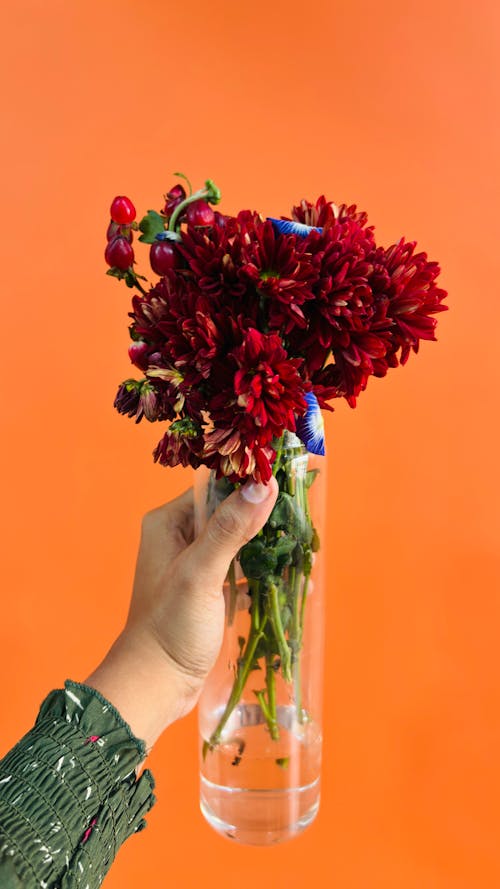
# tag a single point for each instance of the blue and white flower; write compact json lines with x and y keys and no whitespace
{"x":310,"y":427}
{"x":288,"y":227}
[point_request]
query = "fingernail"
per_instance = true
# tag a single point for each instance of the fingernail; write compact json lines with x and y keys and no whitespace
{"x":254,"y":493}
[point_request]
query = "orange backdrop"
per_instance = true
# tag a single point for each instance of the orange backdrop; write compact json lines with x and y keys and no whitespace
{"x":371,"y":103}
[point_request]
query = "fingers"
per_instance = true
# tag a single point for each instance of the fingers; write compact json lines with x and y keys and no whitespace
{"x":235,"y":521}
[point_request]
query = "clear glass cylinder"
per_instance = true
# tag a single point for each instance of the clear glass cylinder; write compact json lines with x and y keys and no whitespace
{"x":260,"y":713}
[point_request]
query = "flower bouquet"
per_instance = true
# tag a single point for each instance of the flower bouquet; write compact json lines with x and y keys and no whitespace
{"x":250,"y":329}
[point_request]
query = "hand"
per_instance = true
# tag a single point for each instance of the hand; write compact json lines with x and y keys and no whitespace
{"x":155,"y":671}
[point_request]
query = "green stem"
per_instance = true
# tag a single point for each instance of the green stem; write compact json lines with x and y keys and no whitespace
{"x":256,"y":634}
{"x":271,"y":696}
{"x":183,"y":176}
{"x":295,"y":638}
{"x":210,"y":192}
{"x":139,"y":286}
{"x":300,"y":581}
{"x":284,"y":649}
{"x":277,"y":459}
{"x":201,"y":193}
{"x":233,"y":592}
{"x":301,"y":714}
{"x":303,"y":605}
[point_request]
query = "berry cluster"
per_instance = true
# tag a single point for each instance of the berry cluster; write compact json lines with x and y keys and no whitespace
{"x":119,"y":252}
{"x":158,"y":229}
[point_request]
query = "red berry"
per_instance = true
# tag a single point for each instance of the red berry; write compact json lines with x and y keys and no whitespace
{"x":173,"y":198}
{"x":163,"y":256}
{"x":200,"y":213}
{"x":119,"y":254}
{"x":114,"y":230}
{"x":122,"y":210}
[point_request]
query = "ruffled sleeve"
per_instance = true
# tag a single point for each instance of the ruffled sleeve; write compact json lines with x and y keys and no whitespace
{"x":69,"y":795}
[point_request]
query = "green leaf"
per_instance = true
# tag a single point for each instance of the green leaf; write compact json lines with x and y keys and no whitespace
{"x":284,"y":545}
{"x":307,"y":560}
{"x":151,"y":225}
{"x":284,"y":548}
{"x":315,"y":542}
{"x":310,"y":477}
{"x":257,"y":560}
{"x":288,"y":516}
{"x":117,"y":273}
{"x":130,"y":278}
{"x":283,"y":761}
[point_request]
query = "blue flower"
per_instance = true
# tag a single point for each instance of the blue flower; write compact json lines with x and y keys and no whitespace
{"x":287,"y":227}
{"x":168,"y":236}
{"x":310,"y":427}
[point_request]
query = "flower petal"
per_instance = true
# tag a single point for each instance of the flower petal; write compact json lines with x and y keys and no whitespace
{"x":310,"y":427}
{"x":288,"y":227}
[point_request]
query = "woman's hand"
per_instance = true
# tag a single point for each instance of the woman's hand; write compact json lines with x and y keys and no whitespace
{"x":155,"y":671}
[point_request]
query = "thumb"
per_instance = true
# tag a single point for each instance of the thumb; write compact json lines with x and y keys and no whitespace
{"x":235,"y":521}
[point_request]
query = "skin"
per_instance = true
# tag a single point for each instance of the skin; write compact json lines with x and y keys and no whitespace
{"x":156,"y":668}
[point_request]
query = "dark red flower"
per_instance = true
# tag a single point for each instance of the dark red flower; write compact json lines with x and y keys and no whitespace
{"x":258,"y":394}
{"x":212,"y":260}
{"x":343,"y":310}
{"x":189,"y":330}
{"x":257,"y":386}
{"x":143,"y":398}
{"x":409,"y":285}
{"x":181,"y":444}
{"x":282,"y":272}
{"x":255,"y":318}
{"x":237,"y":457}
{"x":173,"y":198}
{"x":325,"y":213}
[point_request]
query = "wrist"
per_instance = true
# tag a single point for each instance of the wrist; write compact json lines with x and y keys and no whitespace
{"x":138,"y":679}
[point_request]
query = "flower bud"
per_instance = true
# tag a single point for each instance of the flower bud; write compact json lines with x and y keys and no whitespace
{"x":138,"y":352}
{"x":173,"y":198}
{"x":149,"y":402}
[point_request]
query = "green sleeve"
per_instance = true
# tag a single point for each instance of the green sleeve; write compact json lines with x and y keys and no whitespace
{"x":69,"y":795}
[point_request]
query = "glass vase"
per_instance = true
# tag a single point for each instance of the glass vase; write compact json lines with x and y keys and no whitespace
{"x":260,"y":711}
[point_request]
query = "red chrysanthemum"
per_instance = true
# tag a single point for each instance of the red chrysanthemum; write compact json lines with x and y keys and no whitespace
{"x":266,"y":386}
{"x":258,"y":394}
{"x":281,"y":271}
{"x":325,"y":214}
{"x":182,"y":444}
{"x":187,"y":329}
{"x":212,"y":262}
{"x":407,"y":281}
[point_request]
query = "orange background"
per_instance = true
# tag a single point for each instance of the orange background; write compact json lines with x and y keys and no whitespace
{"x":370,"y":103}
